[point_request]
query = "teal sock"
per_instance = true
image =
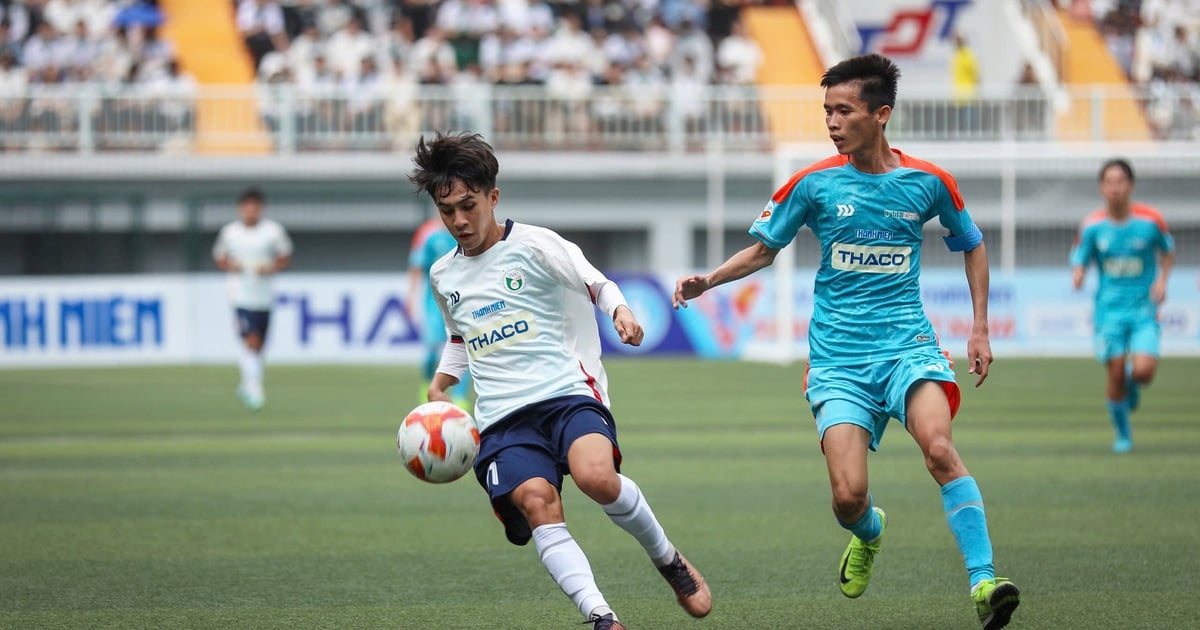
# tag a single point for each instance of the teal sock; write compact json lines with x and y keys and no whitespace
{"x":869,"y":526}
{"x":963,"y":504}
{"x":1118,"y":412}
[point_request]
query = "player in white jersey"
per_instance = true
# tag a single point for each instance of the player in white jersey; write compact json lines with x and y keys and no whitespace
{"x":252,"y":249}
{"x":518,"y":304}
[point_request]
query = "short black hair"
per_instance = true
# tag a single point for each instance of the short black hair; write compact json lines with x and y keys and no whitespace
{"x":877,"y":75}
{"x":450,"y":158}
{"x":252,"y":193}
{"x":1120,"y":163}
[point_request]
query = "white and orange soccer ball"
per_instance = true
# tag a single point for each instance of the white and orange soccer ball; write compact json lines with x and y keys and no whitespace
{"x":438,"y":442}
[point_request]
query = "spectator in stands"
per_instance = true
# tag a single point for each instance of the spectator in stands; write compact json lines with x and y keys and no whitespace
{"x":465,"y":23}
{"x":646,"y":87}
{"x":692,"y":43}
{"x":660,"y":41}
{"x":8,"y":44}
{"x":303,"y":49}
{"x":79,"y":52}
{"x":13,"y":103}
{"x":964,"y":80}
{"x":155,"y":53}
{"x":16,"y":15}
{"x":364,"y":98}
{"x":689,"y":91}
{"x":738,"y":57}
{"x":401,"y":113}
{"x":332,"y":16}
{"x":1030,"y":105}
{"x":176,"y":91}
{"x":622,"y":47}
{"x":348,"y":47}
{"x":421,"y":13}
{"x":399,"y":39}
{"x":38,"y":54}
{"x":569,"y":44}
{"x":522,"y":16}
{"x":432,"y":57}
{"x":568,"y":87}
{"x":262,"y":27}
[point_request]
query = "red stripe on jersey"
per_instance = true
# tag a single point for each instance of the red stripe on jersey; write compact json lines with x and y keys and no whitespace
{"x":909,"y":161}
{"x":591,"y":295}
{"x":456,"y":339}
{"x":1142,"y":211}
{"x":832,"y":161}
{"x":591,"y":382}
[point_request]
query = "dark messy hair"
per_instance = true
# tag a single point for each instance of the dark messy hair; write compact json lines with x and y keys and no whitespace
{"x":449,"y":158}
{"x":250,"y":194}
{"x":876,"y":74}
{"x":1120,"y":163}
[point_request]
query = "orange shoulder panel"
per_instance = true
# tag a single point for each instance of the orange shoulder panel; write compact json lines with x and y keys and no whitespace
{"x":933,"y":169}
{"x":1149,"y":213}
{"x":832,"y":161}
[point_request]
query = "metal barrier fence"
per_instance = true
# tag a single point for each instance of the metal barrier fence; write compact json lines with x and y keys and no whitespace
{"x":675,"y":118}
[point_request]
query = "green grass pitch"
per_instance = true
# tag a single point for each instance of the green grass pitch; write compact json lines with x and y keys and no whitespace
{"x":148,"y":498}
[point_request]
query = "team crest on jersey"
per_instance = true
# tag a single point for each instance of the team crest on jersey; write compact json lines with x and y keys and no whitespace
{"x":514,"y":279}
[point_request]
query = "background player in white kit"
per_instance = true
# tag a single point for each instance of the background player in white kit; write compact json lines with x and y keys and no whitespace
{"x":518,"y":305}
{"x":252,"y":249}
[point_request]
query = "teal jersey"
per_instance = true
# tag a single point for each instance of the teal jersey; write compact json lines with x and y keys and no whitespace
{"x":431,"y":242}
{"x":867,"y":295}
{"x":1126,"y":255}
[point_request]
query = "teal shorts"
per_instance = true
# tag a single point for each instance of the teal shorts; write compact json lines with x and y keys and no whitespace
{"x":1122,"y":335}
{"x":869,"y":395}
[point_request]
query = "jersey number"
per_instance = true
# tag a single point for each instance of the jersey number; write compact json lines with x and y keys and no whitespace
{"x":493,"y":475}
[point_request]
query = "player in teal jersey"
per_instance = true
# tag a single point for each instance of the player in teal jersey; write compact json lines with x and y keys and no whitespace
{"x":431,"y":241}
{"x":1133,"y":252}
{"x":873,"y":352}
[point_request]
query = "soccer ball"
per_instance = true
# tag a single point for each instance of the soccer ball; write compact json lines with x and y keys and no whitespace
{"x":438,"y":442}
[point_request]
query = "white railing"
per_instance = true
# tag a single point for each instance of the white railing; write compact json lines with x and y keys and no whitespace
{"x":284,"y":119}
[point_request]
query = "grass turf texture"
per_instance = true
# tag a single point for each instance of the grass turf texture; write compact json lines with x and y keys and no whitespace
{"x":138,"y":498}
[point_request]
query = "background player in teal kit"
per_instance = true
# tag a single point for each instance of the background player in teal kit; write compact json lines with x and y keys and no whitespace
{"x":873,"y":353}
{"x":1126,"y":240}
{"x":431,"y":241}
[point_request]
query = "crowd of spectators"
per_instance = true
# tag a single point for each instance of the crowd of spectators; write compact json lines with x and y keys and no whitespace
{"x":1157,"y":44}
{"x":48,"y":48}
{"x":359,"y":64}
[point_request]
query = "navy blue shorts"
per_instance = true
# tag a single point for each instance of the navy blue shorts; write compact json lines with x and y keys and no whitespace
{"x":533,"y":442}
{"x":253,"y":322}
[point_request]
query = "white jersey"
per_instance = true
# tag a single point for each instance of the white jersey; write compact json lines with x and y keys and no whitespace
{"x":523,"y":311}
{"x":251,"y":247}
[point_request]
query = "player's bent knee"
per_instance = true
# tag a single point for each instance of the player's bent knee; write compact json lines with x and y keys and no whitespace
{"x":599,"y":482}
{"x":849,"y":502}
{"x":538,"y":500}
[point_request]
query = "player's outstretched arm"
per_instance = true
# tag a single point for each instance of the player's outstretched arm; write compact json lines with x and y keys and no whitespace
{"x":1158,"y":290}
{"x":439,"y":385}
{"x":1078,"y":274}
{"x":737,"y":267}
{"x":979,"y":347}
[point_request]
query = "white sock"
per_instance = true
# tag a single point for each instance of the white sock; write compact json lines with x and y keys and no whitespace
{"x":565,"y":561}
{"x":632,"y":513}
{"x":252,"y":370}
